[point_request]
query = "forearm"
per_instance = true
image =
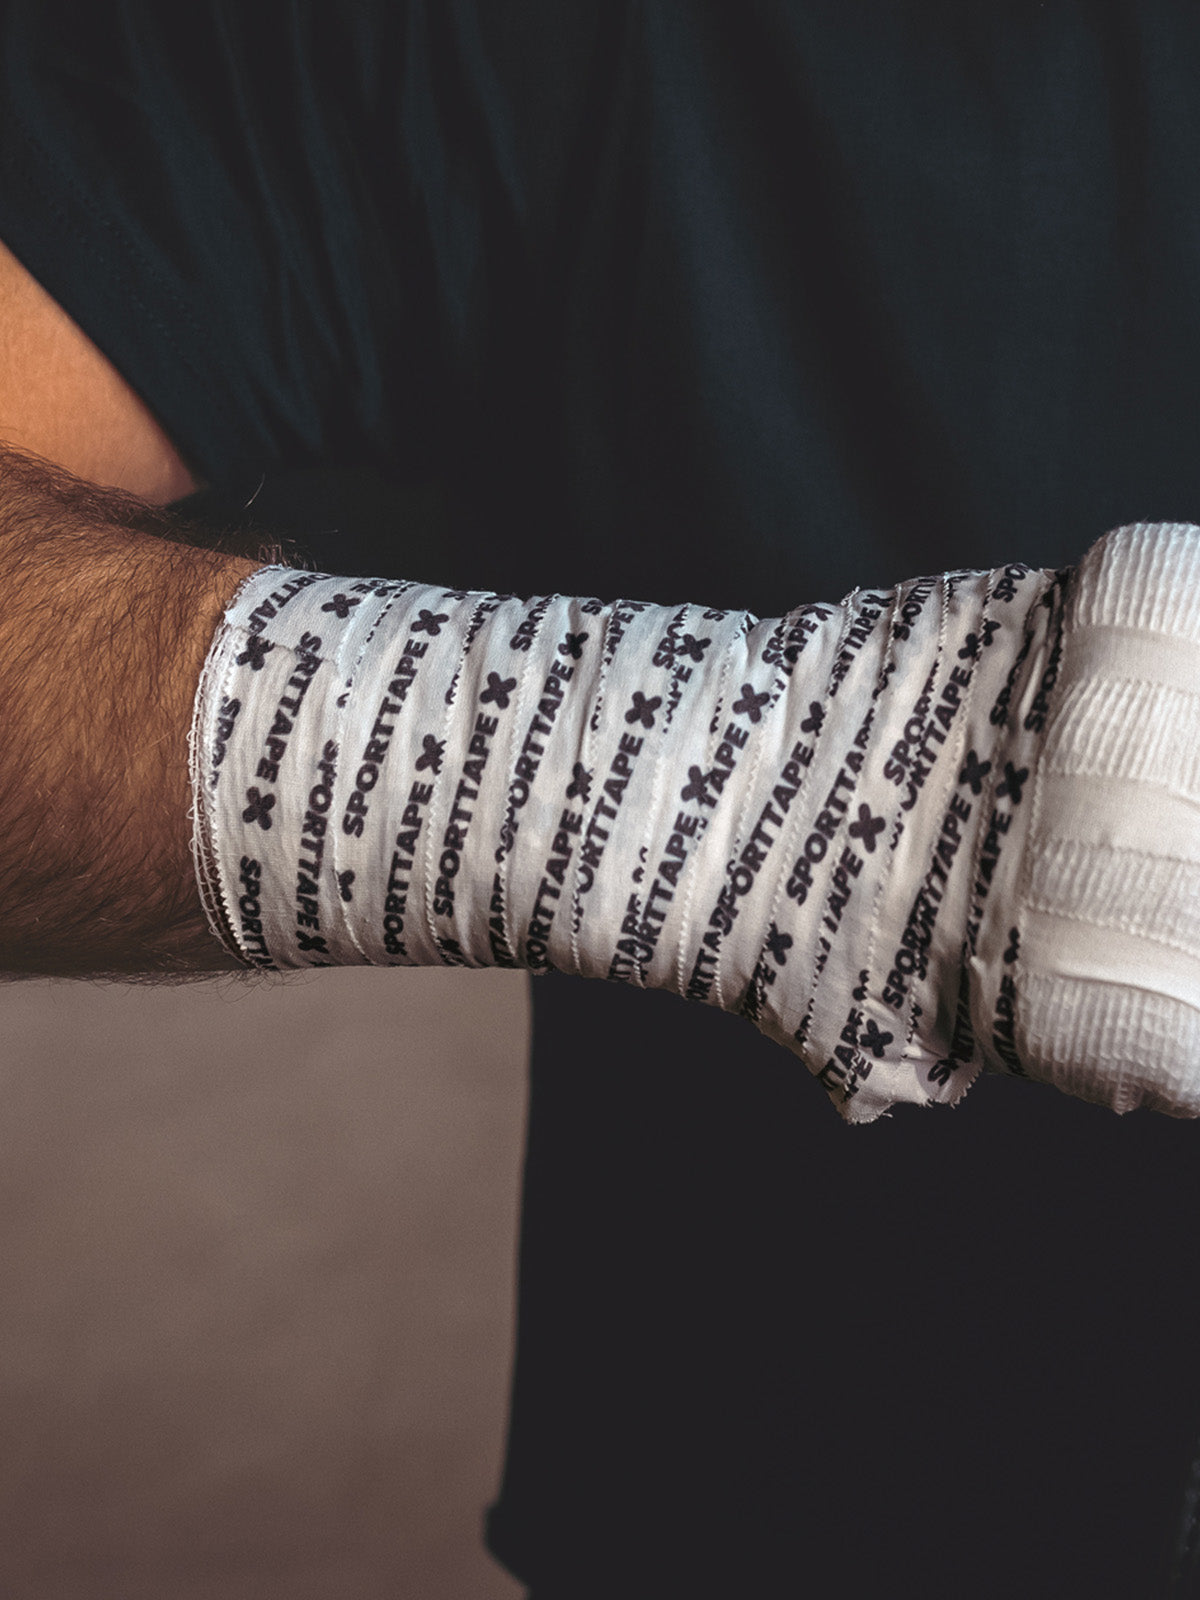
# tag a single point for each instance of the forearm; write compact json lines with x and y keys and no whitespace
{"x":961,"y":927}
{"x":106,"y":619}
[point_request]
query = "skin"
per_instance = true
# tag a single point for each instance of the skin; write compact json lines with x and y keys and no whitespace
{"x":109,"y":609}
{"x":62,"y":399}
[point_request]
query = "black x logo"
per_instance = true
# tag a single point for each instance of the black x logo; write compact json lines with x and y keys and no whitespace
{"x":580,"y":784}
{"x":873,"y":1040}
{"x":779,"y":944}
{"x":1014,"y":946}
{"x":259,"y":808}
{"x":694,"y":647}
{"x":971,"y":649}
{"x":341,"y":605}
{"x":456,"y":594}
{"x":696,"y":787}
{"x":345,"y":880}
{"x":815,"y":718}
{"x":642,"y":710}
{"x":498,"y":691}
{"x":974,"y":772}
{"x":751,"y":704}
{"x":573,"y":645}
{"x":1013,"y":782}
{"x":312,"y":941}
{"x":255,"y":653}
{"x":431,"y":754}
{"x":866,"y":828}
{"x":428,"y":623}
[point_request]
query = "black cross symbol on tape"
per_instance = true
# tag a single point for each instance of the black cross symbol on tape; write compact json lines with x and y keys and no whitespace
{"x":341,"y":605}
{"x":1014,"y":946}
{"x":259,"y":808}
{"x":431,"y":753}
{"x":573,"y":645}
{"x":497,"y":691}
{"x":873,"y":1040}
{"x":751,"y":704}
{"x":969,"y":650}
{"x":696,"y":787}
{"x":1013,"y":782}
{"x":974,"y":772}
{"x":779,"y":944}
{"x":866,"y":828}
{"x":345,"y":880}
{"x":428,"y":623}
{"x":990,"y":629}
{"x":456,"y":594}
{"x":312,"y":941}
{"x":581,"y":782}
{"x":255,"y":653}
{"x":815,"y":718}
{"x":642,"y":710}
{"x":693,"y":647}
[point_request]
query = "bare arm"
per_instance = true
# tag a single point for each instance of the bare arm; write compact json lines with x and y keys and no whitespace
{"x":105,"y":619}
{"x":105,"y":624}
{"x":62,"y":399}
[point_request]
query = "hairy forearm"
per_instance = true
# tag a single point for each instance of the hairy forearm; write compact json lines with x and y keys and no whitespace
{"x":817,"y":820}
{"x":107,"y":615}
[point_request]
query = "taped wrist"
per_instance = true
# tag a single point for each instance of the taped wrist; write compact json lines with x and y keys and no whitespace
{"x":816,"y":820}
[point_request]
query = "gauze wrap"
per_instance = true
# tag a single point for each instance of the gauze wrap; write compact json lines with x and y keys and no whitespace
{"x":895,"y":832}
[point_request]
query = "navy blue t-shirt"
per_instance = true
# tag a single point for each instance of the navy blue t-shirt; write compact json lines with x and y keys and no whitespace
{"x":744,"y":304}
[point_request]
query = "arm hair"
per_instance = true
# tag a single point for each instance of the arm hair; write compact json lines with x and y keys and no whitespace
{"x":110,"y":605}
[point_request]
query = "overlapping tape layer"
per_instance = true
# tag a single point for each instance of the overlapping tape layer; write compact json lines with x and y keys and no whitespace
{"x":814,"y":820}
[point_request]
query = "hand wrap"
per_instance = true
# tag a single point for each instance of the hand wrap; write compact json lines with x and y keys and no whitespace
{"x":909,"y":835}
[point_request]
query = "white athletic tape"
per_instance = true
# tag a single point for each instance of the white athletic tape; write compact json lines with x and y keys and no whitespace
{"x":1109,"y":910}
{"x":820,"y":821}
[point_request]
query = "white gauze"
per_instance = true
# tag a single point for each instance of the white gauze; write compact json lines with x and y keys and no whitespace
{"x":821,"y":821}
